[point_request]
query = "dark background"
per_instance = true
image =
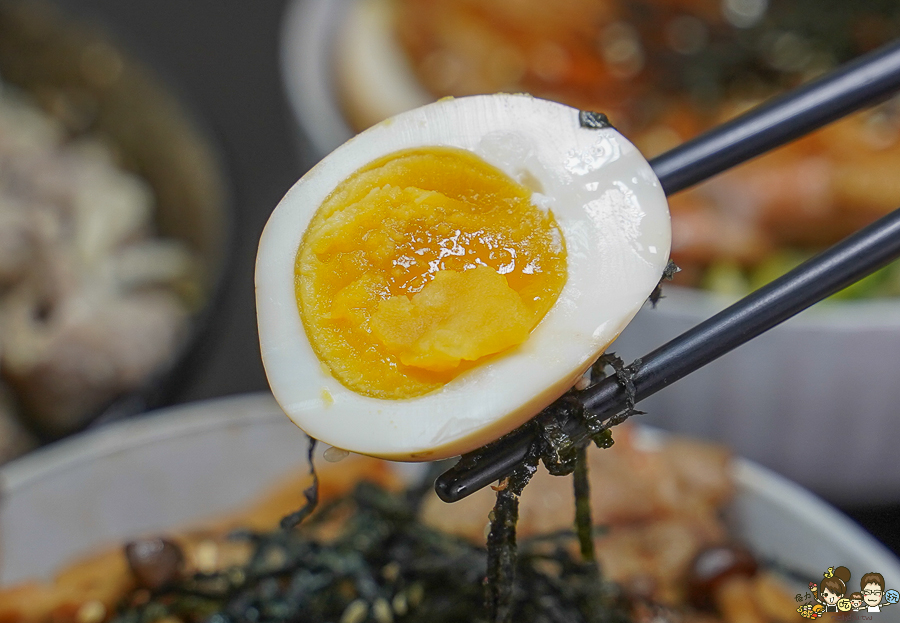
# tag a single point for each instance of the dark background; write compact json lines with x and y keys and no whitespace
{"x":221,"y":57}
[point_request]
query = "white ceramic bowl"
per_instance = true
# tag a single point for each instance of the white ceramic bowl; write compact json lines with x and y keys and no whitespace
{"x":174,"y":468}
{"x":815,"y":399}
{"x":308,"y":30}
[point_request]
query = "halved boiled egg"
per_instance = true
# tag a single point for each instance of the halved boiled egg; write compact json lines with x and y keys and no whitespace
{"x":442,"y":277}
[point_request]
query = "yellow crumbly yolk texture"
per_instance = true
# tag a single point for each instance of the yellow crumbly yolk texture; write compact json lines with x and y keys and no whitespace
{"x":421,"y":265}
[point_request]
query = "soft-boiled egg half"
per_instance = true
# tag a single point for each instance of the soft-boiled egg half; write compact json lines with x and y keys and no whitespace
{"x":442,"y":277}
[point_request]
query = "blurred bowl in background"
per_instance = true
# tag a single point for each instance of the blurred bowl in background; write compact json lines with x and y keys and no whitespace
{"x":139,"y":224}
{"x":321,"y":74}
{"x":813,"y":399}
{"x":309,"y":36}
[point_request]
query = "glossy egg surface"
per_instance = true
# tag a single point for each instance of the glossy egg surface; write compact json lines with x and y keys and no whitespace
{"x":614,"y":221}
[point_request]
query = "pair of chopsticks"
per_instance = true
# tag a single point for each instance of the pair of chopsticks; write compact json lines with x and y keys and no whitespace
{"x":863,"y":82}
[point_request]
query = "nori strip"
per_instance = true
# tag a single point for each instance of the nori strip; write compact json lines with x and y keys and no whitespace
{"x":311,"y":494}
{"x":501,"y":542}
{"x":593,"y":120}
{"x":583,"y":523}
{"x":668,"y":274}
{"x":625,"y":374}
{"x":571,"y":407}
{"x":556,"y":447}
{"x":556,"y":440}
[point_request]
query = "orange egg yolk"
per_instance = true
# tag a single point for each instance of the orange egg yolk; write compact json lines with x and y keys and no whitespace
{"x":421,"y":265}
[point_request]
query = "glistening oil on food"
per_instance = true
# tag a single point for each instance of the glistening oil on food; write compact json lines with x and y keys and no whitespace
{"x":458,"y":268}
{"x":422,"y":264}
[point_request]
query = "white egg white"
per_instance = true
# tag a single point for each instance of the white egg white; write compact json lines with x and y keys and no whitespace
{"x":613,"y":215}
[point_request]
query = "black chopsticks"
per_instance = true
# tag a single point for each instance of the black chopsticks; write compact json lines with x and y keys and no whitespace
{"x":863,"y":82}
{"x":848,"y":261}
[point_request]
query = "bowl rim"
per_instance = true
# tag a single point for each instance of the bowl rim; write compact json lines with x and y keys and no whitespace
{"x":307,"y":28}
{"x":120,"y":436}
{"x":255,"y":409}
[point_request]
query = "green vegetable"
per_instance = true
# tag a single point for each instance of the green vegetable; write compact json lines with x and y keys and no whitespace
{"x":729,"y":279}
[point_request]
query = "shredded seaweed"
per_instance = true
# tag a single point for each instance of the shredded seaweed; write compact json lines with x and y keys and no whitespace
{"x":311,"y":494}
{"x":556,"y":446}
{"x":593,"y":120}
{"x":561,"y":454}
{"x":583,"y":523}
{"x":384,"y":565}
{"x":570,"y":408}
{"x":668,"y":274}
{"x":625,"y":374}
{"x":501,"y":542}
{"x":559,"y":430}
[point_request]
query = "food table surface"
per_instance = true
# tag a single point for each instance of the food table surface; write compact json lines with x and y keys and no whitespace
{"x":222,"y":58}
